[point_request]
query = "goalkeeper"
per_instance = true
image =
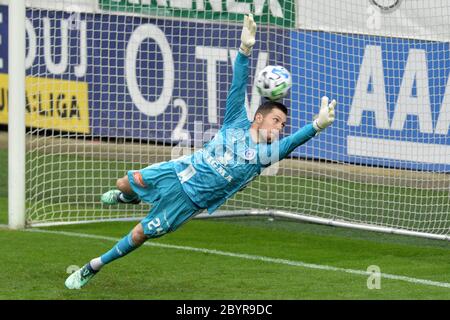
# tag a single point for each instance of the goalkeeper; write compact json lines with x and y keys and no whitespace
{"x":181,"y":188}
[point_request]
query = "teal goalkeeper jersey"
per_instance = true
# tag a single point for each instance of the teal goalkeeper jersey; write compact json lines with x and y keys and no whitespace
{"x":231,"y":160}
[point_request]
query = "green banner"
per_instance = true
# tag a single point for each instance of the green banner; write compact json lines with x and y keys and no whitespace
{"x":279,"y":12}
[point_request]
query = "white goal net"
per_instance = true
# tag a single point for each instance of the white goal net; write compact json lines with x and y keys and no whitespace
{"x":115,"y":85}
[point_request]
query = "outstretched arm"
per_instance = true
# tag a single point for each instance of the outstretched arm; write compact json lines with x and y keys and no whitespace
{"x":323,"y":120}
{"x":235,"y":108}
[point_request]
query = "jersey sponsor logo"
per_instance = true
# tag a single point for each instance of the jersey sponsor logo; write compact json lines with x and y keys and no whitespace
{"x":226,"y":159}
{"x":217,"y":166}
{"x":138,"y":179}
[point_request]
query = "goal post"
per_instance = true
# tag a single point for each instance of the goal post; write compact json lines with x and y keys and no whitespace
{"x":16,"y":116}
{"x":117,"y":85}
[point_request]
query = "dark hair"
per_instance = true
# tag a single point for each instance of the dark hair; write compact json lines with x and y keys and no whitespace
{"x":267,"y":107}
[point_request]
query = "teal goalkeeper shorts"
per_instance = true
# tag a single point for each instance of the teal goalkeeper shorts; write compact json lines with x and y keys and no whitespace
{"x":158,"y":185}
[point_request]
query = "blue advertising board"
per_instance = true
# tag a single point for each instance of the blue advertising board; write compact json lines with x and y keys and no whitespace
{"x":146,"y":77}
{"x":160,"y":79}
{"x":392,"y":108}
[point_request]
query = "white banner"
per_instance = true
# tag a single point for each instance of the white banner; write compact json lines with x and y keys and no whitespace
{"x":68,"y":6}
{"x":417,"y":19}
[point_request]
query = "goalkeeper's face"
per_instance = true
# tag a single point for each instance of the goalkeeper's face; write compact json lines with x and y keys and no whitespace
{"x":270,"y":125}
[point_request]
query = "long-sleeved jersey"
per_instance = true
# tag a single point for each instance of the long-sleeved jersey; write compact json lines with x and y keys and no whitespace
{"x":231,"y":160}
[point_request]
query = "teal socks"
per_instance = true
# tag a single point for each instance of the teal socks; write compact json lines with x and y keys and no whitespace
{"x":122,"y":248}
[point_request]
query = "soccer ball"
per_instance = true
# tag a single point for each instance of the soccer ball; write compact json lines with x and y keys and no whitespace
{"x":273,"y":82}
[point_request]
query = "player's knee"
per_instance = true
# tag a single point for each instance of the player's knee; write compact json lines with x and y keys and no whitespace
{"x":138,"y":236}
{"x":123,"y":184}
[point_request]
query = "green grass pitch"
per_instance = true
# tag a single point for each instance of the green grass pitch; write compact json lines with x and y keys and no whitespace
{"x":241,"y":258}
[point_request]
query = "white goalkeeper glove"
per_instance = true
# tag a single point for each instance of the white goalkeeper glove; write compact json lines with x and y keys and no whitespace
{"x":326,"y":115}
{"x":248,"y":35}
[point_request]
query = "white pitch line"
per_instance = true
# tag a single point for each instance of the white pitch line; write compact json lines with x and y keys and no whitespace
{"x":255,"y":257}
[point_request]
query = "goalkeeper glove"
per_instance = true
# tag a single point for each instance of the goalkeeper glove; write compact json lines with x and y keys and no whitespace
{"x":248,"y":35}
{"x":326,"y":115}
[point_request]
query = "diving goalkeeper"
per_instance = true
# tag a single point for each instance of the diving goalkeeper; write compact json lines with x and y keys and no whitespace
{"x":181,"y":188}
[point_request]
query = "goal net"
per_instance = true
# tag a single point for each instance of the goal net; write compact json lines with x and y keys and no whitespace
{"x":115,"y":85}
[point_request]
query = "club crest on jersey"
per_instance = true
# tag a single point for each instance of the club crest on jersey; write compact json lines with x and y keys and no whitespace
{"x":250,"y":154}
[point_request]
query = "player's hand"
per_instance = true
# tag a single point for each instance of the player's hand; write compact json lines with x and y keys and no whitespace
{"x":326,"y":114}
{"x":248,"y":35}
